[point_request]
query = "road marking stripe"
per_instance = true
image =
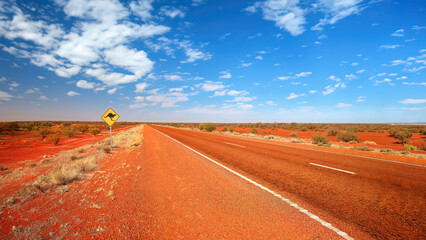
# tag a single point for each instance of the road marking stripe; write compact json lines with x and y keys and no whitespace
{"x":235,"y":144}
{"x":319,"y":165}
{"x":313,"y":216}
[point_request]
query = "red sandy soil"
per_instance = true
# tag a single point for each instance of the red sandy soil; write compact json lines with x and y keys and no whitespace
{"x":15,"y":150}
{"x":383,"y":140}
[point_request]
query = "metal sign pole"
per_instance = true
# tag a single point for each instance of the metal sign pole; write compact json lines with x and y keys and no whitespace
{"x":110,"y":136}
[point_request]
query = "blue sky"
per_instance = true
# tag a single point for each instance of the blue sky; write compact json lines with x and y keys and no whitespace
{"x":214,"y":61}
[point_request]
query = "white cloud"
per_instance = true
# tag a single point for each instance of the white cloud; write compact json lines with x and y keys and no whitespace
{"x":196,"y":3}
{"x":355,"y":64}
{"x":225,"y":75}
{"x":293,"y":96}
{"x":3,"y":79}
{"x":14,"y":84}
{"x":220,"y":93}
{"x":259,"y":58}
{"x":415,"y":27}
{"x":414,"y":83}
{"x":415,"y":109}
{"x":72,"y":93}
{"x":142,"y":8}
{"x":191,"y":53}
{"x":302,"y":74}
{"x":255,"y":36}
{"x":243,"y":99}
{"x":172,"y":12}
{"x":139,"y":99}
{"x":243,"y":65}
{"x":334,"y":78}
{"x":85,"y":84}
{"x":398,"y":33}
{"x":4,"y":96}
{"x":313,"y":91}
{"x":140,"y":87}
{"x":360,"y":71}
{"x":138,"y":105}
{"x":285,"y":13}
{"x":271,"y":103}
{"x":169,"y":99}
{"x":350,"y":77}
{"x":112,"y":91}
{"x":173,"y":77}
{"x":210,"y":86}
{"x":284,"y":78}
{"x":331,"y":88}
{"x":223,"y":37}
{"x":132,"y":60}
{"x":236,"y":93}
{"x":413,"y":101}
{"x":402,"y":78}
{"x":343,"y":105}
{"x":42,"y":97}
{"x":361,"y":99}
{"x":387,"y":46}
{"x":336,"y":10}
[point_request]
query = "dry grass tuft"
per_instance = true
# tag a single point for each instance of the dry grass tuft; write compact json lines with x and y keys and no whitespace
{"x":369,"y":143}
{"x":86,"y":165}
{"x":27,"y":192}
{"x":64,"y":175}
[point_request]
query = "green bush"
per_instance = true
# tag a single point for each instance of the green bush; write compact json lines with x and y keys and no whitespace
{"x":403,"y":136}
{"x":224,"y":129}
{"x":254,"y":130}
{"x":333,"y":131}
{"x":95,"y":131}
{"x":231,"y":129}
{"x":71,"y":131}
{"x":44,"y":132}
{"x":209,"y":127}
{"x":55,"y":139}
{"x":304,"y":129}
{"x":423,"y":132}
{"x":410,"y":147}
{"x":319,"y":139}
{"x":348,"y":136}
{"x":293,"y":134}
{"x":83,"y":128}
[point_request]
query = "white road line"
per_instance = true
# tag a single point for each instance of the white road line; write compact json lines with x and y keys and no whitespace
{"x":319,"y":165}
{"x":302,"y":210}
{"x":235,"y":144}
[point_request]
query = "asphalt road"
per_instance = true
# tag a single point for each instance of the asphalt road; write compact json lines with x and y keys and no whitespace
{"x":360,"y":197}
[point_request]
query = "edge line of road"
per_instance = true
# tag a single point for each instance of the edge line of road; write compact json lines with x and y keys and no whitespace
{"x":288,"y":201}
{"x":318,"y":150}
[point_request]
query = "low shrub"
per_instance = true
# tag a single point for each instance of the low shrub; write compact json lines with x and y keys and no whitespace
{"x":31,"y":165}
{"x":71,"y":131}
{"x":403,"y":136}
{"x":387,"y":151}
{"x":254,"y":130}
{"x":86,"y":164}
{"x":293,"y":134}
{"x":423,"y":132}
{"x":348,"y":136}
{"x":364,"y":148}
{"x":410,"y":147}
{"x":95,"y":131}
{"x":208,"y":127}
{"x":44,"y":132}
{"x":318,"y":138}
{"x":231,"y":129}
{"x":333,"y":131}
{"x":304,"y":129}
{"x":270,"y":137}
{"x":55,"y":139}
{"x":83,"y":128}
{"x":369,"y":143}
{"x":224,"y":129}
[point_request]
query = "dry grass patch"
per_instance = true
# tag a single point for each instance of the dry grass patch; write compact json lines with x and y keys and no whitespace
{"x":86,"y":164}
{"x":369,"y":143}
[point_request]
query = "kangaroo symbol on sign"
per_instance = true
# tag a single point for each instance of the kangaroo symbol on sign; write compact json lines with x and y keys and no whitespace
{"x":111,"y":116}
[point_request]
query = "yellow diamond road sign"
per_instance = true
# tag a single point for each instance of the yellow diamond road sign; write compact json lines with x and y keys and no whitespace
{"x":110,"y":117}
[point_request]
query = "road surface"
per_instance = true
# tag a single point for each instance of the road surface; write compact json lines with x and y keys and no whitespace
{"x":360,"y":197}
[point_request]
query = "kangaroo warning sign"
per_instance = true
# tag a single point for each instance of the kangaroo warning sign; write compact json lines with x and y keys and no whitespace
{"x":110,"y":117}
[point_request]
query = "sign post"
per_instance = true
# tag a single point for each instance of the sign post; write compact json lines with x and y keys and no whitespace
{"x":110,"y":117}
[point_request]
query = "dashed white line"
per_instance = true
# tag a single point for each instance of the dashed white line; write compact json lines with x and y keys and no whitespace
{"x":319,"y":165}
{"x":235,"y":144}
{"x":302,"y":210}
